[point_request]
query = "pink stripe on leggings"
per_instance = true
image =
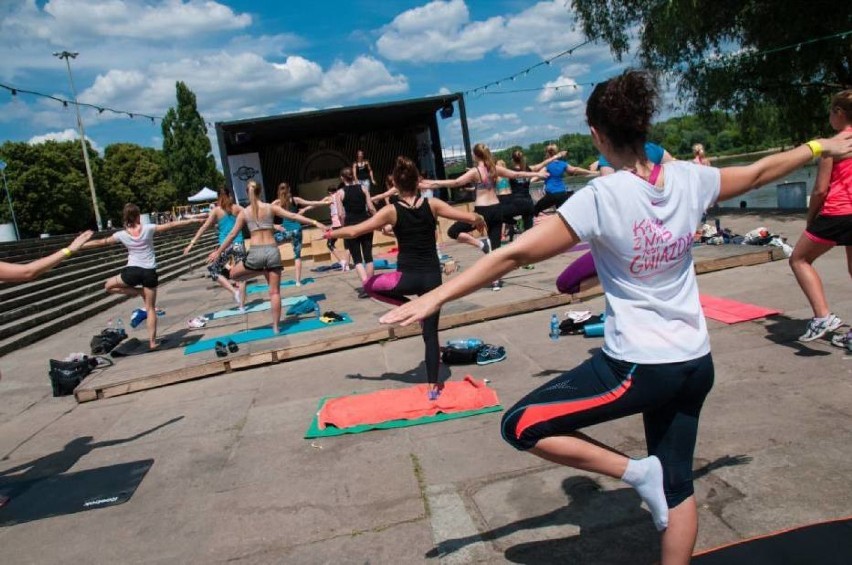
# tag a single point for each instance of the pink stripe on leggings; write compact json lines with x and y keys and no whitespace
{"x":383,"y":283}
{"x":818,"y":239}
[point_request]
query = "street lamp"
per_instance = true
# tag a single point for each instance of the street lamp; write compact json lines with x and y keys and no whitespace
{"x":67,"y":55}
{"x":9,"y":198}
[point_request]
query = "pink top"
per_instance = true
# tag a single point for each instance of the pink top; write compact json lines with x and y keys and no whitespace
{"x":838,"y":201}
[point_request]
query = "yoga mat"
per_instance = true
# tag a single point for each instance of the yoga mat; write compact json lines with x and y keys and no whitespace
{"x":260,"y":307}
{"x":383,"y":264}
{"x":731,"y":312}
{"x":255,"y":288}
{"x":397,"y":408}
{"x":827,"y":543}
{"x":285,"y":328}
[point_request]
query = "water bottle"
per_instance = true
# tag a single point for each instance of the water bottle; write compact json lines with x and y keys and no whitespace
{"x":317,"y":310}
{"x":470,"y":343}
{"x":554,"y":327}
{"x":109,"y":324}
{"x":119,"y":325}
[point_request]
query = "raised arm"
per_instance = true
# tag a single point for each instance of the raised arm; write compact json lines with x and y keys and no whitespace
{"x":103,"y":242}
{"x":469,"y":177}
{"x":207,"y":223}
{"x":444,"y":210}
{"x":13,"y":272}
{"x":547,"y":161}
{"x":178,"y":224}
{"x":310,"y":203}
{"x":282,"y":213}
{"x":386,"y":215}
{"x":386,"y":194}
{"x":513,"y":174}
{"x":572,"y":170}
{"x":551,"y":237}
{"x":738,"y":180}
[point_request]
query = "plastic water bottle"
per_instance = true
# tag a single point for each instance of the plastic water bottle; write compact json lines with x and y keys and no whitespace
{"x":470,"y":343}
{"x":317,"y":310}
{"x":119,"y":325}
{"x":554,"y":327}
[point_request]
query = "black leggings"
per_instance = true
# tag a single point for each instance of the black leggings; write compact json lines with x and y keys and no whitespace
{"x":601,"y":389}
{"x":525,"y":208}
{"x":361,"y":248}
{"x":394,"y":288}
{"x":493,"y":215}
{"x":551,"y":199}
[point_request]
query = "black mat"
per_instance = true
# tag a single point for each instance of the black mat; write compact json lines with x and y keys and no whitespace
{"x":827,"y":543}
{"x":69,"y":493}
{"x":136,"y":346}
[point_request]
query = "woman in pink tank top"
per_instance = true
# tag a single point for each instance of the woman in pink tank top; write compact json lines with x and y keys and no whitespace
{"x":829,"y":224}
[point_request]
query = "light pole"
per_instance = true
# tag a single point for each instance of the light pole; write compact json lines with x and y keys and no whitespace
{"x":9,"y":199}
{"x":67,"y":55}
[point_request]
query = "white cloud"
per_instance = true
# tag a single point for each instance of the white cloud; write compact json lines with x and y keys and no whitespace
{"x":521,"y":135}
{"x":490,"y":121}
{"x":365,"y":77}
{"x":69,"y":134}
{"x":561,"y":88}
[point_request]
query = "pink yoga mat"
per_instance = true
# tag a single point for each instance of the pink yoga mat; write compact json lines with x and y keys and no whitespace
{"x":406,"y":404}
{"x":731,"y":312}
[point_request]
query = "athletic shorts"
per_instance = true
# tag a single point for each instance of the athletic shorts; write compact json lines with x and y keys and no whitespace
{"x":263,"y":258}
{"x":236,"y":250}
{"x":291,"y":236}
{"x":137,"y":276}
{"x":831,"y":230}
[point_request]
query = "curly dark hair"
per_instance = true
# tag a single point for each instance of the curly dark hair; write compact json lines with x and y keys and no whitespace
{"x":621,"y":108}
{"x":405,"y":175}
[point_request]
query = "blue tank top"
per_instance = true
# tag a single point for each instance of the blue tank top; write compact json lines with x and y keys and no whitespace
{"x":225,"y":225}
{"x":287,"y":223}
{"x":654,"y":152}
{"x":554,"y":183}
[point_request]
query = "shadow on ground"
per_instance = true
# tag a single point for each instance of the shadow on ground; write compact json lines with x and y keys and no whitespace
{"x":785,"y":331}
{"x":415,"y":376}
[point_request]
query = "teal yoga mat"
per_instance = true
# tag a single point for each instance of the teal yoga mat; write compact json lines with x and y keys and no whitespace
{"x":261,"y":307}
{"x":255,"y":288}
{"x":286,"y":328}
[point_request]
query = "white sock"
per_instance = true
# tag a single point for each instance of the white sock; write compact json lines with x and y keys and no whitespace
{"x":646,"y":476}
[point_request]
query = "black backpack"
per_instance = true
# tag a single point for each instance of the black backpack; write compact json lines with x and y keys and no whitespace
{"x":66,"y":375}
{"x":106,"y":341}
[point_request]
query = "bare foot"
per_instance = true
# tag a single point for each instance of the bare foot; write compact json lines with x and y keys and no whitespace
{"x":153,"y":345}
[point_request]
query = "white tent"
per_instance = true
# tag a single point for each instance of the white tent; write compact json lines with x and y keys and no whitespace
{"x":203,"y":195}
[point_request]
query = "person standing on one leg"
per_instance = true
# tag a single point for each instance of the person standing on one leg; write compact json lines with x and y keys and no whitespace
{"x":263,"y":257}
{"x":555,"y":192}
{"x":291,"y":230}
{"x":139,"y":277}
{"x":522,"y":201}
{"x":829,"y":223}
{"x":656,"y":355}
{"x":414,"y":220}
{"x":355,"y":206}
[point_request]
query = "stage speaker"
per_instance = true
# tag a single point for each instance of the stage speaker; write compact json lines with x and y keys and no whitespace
{"x":447,"y":111}
{"x":242,"y":137}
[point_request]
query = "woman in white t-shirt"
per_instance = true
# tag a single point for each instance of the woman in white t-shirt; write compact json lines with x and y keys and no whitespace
{"x":656,"y":354}
{"x":139,"y":277}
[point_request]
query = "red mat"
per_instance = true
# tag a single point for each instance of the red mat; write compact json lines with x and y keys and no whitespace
{"x":406,"y":404}
{"x":731,"y":312}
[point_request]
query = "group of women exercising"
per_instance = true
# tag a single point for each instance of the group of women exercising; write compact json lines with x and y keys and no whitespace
{"x":656,"y":356}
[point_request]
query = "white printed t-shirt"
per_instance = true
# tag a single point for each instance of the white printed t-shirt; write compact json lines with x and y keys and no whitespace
{"x":641,"y":239}
{"x":140,"y":250}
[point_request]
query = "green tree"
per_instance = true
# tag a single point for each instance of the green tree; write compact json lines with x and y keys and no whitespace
{"x":186,"y":147}
{"x":681,"y":36}
{"x":137,"y":174}
{"x":49,"y":188}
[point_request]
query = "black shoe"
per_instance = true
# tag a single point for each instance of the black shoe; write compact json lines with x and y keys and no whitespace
{"x":220,"y":349}
{"x":363,"y":294}
{"x":232,"y":346}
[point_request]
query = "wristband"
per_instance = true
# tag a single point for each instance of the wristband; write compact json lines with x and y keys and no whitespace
{"x":66,"y":251}
{"x":815,"y":147}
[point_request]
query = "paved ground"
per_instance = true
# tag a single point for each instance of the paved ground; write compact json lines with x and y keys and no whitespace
{"x":233,"y":480}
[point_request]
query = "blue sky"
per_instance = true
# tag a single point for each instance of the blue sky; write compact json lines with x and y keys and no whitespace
{"x":246,"y":59}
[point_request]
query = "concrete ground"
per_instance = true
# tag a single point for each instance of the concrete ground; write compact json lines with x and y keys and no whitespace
{"x":232,"y":479}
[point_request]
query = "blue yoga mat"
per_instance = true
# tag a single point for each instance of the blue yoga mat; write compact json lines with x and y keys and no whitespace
{"x":260,"y":307}
{"x":286,"y":328}
{"x":255,"y":288}
{"x":383,"y":264}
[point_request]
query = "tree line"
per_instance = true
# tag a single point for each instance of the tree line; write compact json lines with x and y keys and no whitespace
{"x":50,"y":191}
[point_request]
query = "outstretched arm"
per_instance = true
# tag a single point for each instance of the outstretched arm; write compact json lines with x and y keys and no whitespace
{"x":547,"y":161}
{"x":444,"y":210}
{"x":310,"y":203}
{"x":513,"y":174}
{"x":238,"y":225}
{"x":738,"y":180}
{"x":549,"y":238}
{"x":469,"y":177}
{"x":282,"y":213}
{"x":207,"y":223}
{"x":386,"y":215}
{"x":178,"y":224}
{"x":572,"y":170}
{"x":13,"y":272}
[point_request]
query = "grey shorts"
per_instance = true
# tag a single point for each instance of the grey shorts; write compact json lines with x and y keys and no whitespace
{"x":263,"y":258}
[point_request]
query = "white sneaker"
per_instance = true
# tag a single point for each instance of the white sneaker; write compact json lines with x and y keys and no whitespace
{"x":486,"y":245}
{"x":818,"y":327}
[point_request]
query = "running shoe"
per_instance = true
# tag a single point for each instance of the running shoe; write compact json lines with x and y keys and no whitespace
{"x":818,"y":327}
{"x":843,"y":341}
{"x":486,"y":245}
{"x":497,"y":285}
{"x":490,"y":354}
{"x":195,"y":323}
{"x":137,"y":317}
{"x":363,"y":294}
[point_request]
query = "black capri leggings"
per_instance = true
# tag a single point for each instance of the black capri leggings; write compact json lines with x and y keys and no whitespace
{"x":551,"y":199}
{"x":493,"y":215}
{"x":361,"y":248}
{"x":601,"y":389}
{"x":524,"y":207}
{"x":394,"y":288}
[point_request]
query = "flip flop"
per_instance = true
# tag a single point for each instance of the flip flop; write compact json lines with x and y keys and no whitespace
{"x":232,"y":346}
{"x":220,"y":349}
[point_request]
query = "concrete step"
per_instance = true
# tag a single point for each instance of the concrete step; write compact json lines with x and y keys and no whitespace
{"x":63,"y":319}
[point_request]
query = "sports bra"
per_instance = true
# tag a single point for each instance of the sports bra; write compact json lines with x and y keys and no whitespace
{"x":485,"y":182}
{"x":266,"y":222}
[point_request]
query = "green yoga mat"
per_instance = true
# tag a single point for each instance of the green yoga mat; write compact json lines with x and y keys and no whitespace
{"x":314,"y":431}
{"x":286,"y":328}
{"x":260,"y":307}
{"x":255,"y":288}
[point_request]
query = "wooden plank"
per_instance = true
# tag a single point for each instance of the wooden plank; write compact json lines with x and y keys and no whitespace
{"x":89,"y":391}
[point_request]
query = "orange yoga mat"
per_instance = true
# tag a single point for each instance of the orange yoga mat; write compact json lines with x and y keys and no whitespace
{"x":731,"y":312}
{"x":405,"y":404}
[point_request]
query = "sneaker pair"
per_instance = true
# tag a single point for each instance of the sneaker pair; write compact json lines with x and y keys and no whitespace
{"x":488,"y":354}
{"x":497,"y":285}
{"x":818,"y":327}
{"x":843,"y":341}
{"x":196,"y":323}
